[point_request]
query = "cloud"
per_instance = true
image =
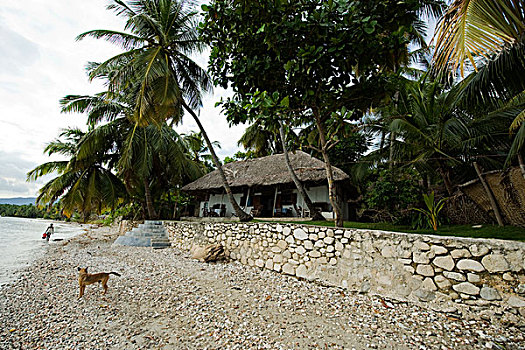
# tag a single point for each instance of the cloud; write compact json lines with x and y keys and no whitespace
{"x":13,"y":176}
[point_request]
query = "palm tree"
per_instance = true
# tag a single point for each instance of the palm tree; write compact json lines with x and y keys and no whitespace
{"x":83,"y":184}
{"x":198,"y":151}
{"x":144,"y":156}
{"x":163,"y":35}
{"x":489,"y":36}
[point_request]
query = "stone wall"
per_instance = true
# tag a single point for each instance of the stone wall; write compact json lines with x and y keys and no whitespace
{"x":474,"y":272}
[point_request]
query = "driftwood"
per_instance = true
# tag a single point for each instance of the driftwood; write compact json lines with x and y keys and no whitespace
{"x":211,"y":252}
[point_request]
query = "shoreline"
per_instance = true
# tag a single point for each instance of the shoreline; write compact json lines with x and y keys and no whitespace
{"x":166,"y":300}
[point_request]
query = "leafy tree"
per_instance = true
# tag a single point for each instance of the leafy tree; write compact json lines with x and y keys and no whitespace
{"x":317,"y":56}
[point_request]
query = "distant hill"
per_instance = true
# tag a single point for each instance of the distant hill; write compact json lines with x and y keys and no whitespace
{"x":18,"y":201}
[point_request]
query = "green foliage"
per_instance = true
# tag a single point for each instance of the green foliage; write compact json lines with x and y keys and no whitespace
{"x":30,"y":211}
{"x":392,"y":194}
{"x":433,"y":209}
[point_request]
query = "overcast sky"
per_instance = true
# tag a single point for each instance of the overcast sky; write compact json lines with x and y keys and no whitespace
{"x":40,"y":62}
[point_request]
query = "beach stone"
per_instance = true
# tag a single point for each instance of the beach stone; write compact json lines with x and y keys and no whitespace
{"x":454,"y":276}
{"x":470,"y":265}
{"x":489,"y":293}
{"x":289,"y":240}
{"x":269,"y":264}
{"x":445,"y":262}
{"x":289,"y":269}
{"x":507,"y":276}
{"x":495,"y":263}
{"x":442,"y":282}
{"x":319,"y":244}
{"x":321,"y":234}
{"x":439,"y":250}
{"x":478,"y":250}
{"x":278,"y":258}
{"x":460,"y":253}
{"x":339,"y":246}
{"x":466,"y":288}
{"x":473,"y":278}
{"x":299,"y":234}
{"x":287,"y":231}
{"x":425,"y":270}
{"x":333,"y":261}
{"x":515,"y":301}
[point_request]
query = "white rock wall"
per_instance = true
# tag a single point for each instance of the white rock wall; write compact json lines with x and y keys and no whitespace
{"x":477,"y":272}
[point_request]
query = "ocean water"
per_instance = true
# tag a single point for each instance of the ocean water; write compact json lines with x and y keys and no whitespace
{"x":21,"y":242}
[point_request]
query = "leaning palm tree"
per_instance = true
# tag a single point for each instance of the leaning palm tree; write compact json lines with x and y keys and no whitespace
{"x":161,"y":37}
{"x":83,"y":185}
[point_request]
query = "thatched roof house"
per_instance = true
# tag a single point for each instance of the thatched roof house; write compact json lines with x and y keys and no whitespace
{"x":264,"y":187}
{"x":267,"y":171}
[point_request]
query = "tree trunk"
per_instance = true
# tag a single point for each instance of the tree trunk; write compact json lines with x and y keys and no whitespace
{"x":489,"y":193}
{"x":522,"y":165}
{"x":316,"y":216}
{"x":339,"y":222}
{"x":149,"y":202}
{"x":243,"y":217}
{"x":391,"y":151}
{"x":446,"y":180}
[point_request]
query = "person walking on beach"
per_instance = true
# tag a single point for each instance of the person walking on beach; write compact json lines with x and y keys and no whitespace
{"x":50,"y":231}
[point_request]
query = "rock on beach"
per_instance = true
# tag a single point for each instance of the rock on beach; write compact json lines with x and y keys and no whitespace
{"x":164,"y":299}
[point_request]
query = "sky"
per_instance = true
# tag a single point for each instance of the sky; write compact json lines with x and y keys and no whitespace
{"x":40,"y":62}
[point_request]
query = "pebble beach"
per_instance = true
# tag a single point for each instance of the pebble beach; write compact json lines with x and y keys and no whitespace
{"x":166,"y":300}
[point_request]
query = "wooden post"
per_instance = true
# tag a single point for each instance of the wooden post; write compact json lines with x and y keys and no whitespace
{"x":247,"y":198}
{"x":274,"y":200}
{"x":489,"y":193}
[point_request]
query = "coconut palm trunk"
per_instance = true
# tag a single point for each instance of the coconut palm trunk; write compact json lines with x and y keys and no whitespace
{"x":332,"y":193}
{"x":243,"y":216}
{"x":149,"y":201}
{"x":315,"y":214}
{"x":490,"y":195}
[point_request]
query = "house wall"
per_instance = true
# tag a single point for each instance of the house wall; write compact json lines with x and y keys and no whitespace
{"x":317,"y":194}
{"x":485,"y":274}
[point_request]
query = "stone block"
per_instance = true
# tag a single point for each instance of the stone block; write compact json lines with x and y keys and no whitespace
{"x":333,"y":261}
{"x":421,"y":246}
{"x":301,"y":271}
{"x":269,"y":264}
{"x":300,"y":250}
{"x":330,"y":232}
{"x":425,"y":294}
{"x":495,"y":263}
{"x":425,"y":270}
{"x":405,"y":261}
{"x":470,"y":265}
{"x":489,"y":293}
{"x":314,"y":254}
{"x":308,"y":245}
{"x":409,"y":269}
{"x":439,"y":250}
{"x":420,"y":258}
{"x":445,"y":262}
{"x":278,"y":258}
{"x":460,"y":253}
{"x":330,"y":249}
{"x":428,"y":284}
{"x":339,"y":246}
{"x":282,"y":244}
{"x":321,"y":234}
{"x":290,"y":240}
{"x":455,"y":276}
{"x":328,"y":240}
{"x":288,"y":269}
{"x":466,"y":288}
{"x":388,"y":251}
{"x":276,"y":249}
{"x":286,"y":231}
{"x":442,"y":282}
{"x":277,"y":267}
{"x":507,"y":276}
{"x":299,"y":234}
{"x":313,"y":237}
{"x":478,"y":250}
{"x":515,"y":301}
{"x":473,"y":278}
{"x":319,"y":244}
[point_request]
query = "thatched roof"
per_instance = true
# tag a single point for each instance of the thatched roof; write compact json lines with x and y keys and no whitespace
{"x":267,"y":171}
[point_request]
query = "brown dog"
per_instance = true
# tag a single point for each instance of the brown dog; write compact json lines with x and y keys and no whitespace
{"x":85,"y":278}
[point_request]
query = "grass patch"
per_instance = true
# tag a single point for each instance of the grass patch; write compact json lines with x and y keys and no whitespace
{"x":511,"y":233}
